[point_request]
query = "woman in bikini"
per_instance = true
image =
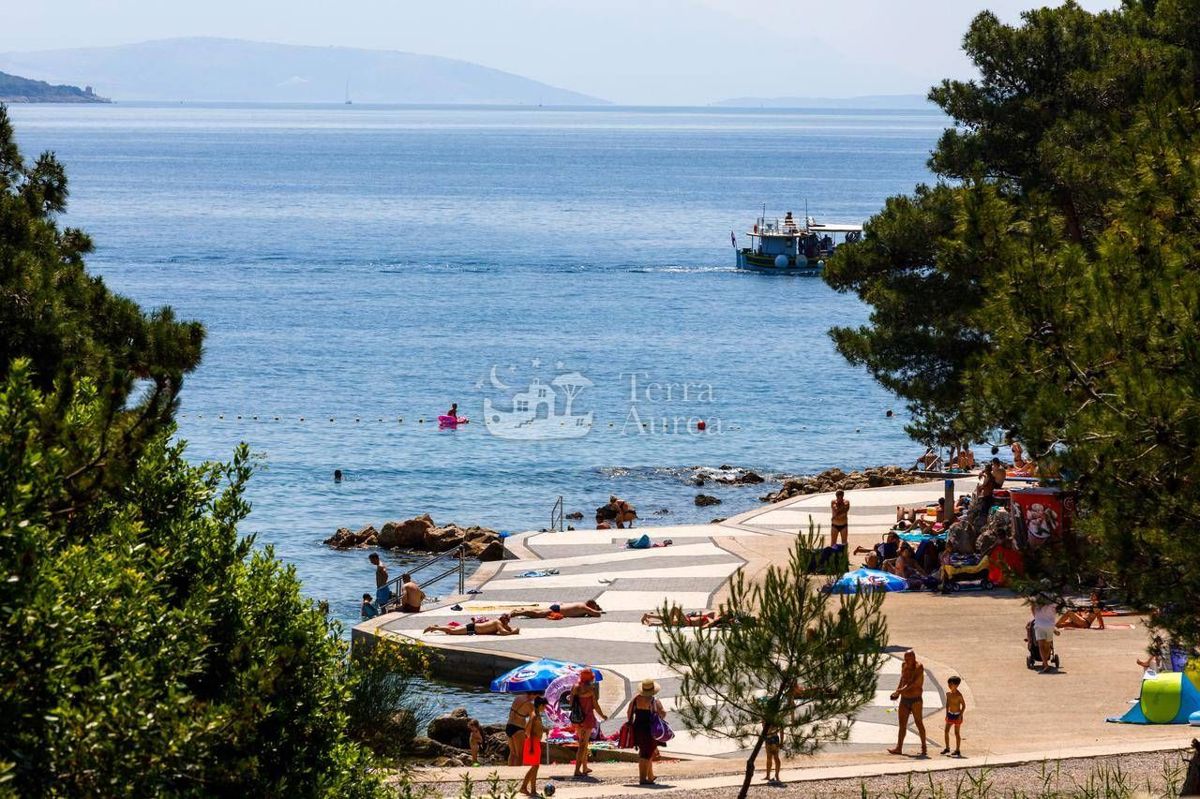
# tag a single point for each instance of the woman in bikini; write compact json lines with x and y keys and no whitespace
{"x":514,"y":728}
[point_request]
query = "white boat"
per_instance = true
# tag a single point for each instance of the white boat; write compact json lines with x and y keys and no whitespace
{"x":788,"y":247}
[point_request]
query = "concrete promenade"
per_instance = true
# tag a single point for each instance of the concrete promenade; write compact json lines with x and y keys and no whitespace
{"x":692,"y":571}
{"x":1013,"y":713}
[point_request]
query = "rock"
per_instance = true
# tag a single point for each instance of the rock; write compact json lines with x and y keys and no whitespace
{"x":833,"y":479}
{"x":439,"y":539}
{"x":750,"y":478}
{"x":408,"y":534}
{"x":703,"y":500}
{"x":494,"y":748}
{"x":662,"y":512}
{"x":486,"y":550}
{"x":345,"y":539}
{"x":451,"y":729}
{"x":698,"y":480}
{"x":725,"y":467}
{"x":429,"y":748}
{"x":717,"y":520}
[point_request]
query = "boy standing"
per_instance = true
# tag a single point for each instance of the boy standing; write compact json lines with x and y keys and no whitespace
{"x":532,"y":756}
{"x":956,"y":706}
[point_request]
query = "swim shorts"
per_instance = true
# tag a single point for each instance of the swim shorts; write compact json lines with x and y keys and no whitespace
{"x":470,"y":626}
{"x":954,"y":719}
{"x":909,"y":701}
{"x":556,"y":608}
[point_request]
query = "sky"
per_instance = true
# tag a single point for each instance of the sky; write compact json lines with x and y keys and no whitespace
{"x":643,"y":52}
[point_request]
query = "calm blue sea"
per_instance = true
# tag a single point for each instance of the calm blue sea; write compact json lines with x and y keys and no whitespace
{"x":358,"y":266}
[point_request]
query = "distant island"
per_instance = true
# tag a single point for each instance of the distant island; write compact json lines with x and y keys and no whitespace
{"x":870,"y":101}
{"x":232,"y":70}
{"x":15,"y":89}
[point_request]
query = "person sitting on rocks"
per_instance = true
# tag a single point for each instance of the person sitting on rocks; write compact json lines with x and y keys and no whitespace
{"x":564,"y":610}
{"x":619,"y":511}
{"x":498,"y":626}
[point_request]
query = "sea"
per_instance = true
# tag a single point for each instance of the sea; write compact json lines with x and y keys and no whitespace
{"x":565,"y":276}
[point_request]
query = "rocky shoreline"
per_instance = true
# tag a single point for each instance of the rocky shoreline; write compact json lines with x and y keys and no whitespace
{"x":836,"y":479}
{"x":422,"y":534}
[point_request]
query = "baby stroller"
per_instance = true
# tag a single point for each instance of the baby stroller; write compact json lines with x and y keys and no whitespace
{"x":965,"y":569}
{"x":1033,"y":655}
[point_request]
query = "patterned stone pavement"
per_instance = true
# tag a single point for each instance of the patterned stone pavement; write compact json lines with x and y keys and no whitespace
{"x":595,"y":564}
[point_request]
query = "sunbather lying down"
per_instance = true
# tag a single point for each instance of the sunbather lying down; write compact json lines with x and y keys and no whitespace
{"x":565,"y":610}
{"x":490,"y":627}
{"x":677,"y":618}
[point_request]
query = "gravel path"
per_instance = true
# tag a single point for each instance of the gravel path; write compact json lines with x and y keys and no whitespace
{"x":1145,"y":772}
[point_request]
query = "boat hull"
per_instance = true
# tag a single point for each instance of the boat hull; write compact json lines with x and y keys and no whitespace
{"x":753,"y":262}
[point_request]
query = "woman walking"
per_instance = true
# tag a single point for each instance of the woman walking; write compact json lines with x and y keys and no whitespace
{"x":585,"y":706}
{"x":514,"y":728}
{"x":642,"y":710}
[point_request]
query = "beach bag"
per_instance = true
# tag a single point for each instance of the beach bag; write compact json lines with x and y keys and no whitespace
{"x":625,"y":737}
{"x":660,"y":730}
{"x":576,"y":715}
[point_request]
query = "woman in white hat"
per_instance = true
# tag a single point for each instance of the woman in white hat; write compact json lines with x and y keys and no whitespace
{"x":642,"y":711}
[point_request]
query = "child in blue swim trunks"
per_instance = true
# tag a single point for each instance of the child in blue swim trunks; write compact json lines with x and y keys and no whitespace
{"x":956,"y":706}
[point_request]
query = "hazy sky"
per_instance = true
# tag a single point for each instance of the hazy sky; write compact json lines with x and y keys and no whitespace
{"x":627,"y":51}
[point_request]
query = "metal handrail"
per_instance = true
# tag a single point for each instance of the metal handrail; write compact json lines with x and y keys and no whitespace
{"x":557,"y":518}
{"x":458,"y":552}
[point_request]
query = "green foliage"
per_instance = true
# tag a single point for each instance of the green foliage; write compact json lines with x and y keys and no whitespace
{"x":800,"y":661}
{"x":71,"y":328}
{"x":1067,"y":229}
{"x":163,"y":655}
{"x":385,"y":712}
{"x":146,"y":647}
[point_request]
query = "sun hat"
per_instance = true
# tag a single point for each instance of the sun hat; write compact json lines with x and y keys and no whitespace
{"x":649,"y":688}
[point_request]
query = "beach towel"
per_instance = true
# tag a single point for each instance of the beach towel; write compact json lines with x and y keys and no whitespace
{"x":538,"y":573}
{"x":532,"y":755}
{"x":642,"y":542}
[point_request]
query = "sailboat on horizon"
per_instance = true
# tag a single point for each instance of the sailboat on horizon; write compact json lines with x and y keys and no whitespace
{"x":348,"y":101}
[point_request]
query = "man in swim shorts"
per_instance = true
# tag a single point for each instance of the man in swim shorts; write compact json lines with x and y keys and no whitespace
{"x":382,"y":592}
{"x":490,"y":627}
{"x":840,"y":521}
{"x":411,"y":595}
{"x":910,"y":693}
{"x":568,"y":610}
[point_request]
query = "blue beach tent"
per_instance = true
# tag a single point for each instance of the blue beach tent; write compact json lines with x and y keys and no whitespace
{"x":1168,"y":698}
{"x":868,"y":580}
{"x":536,"y":676}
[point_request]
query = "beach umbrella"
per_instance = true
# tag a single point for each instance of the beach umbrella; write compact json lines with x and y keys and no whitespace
{"x":536,"y":676}
{"x":868,"y":580}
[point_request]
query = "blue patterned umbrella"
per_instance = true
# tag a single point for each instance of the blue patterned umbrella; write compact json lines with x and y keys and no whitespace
{"x":536,"y":676}
{"x":868,"y":580}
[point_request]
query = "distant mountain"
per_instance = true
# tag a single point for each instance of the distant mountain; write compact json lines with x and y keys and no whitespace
{"x":872,"y":101}
{"x":232,"y":70}
{"x":14,"y":89}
